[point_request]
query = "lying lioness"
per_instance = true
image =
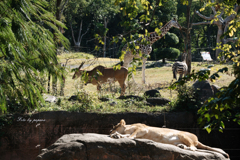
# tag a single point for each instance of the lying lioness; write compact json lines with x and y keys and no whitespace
{"x":182,"y":139}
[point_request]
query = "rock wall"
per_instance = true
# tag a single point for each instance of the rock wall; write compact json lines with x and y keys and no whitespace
{"x":92,"y":146}
{"x":27,"y":135}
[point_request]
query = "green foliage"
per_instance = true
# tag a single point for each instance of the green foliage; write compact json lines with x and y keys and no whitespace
{"x":225,"y":107}
{"x":187,"y":99}
{"x":203,"y":74}
{"x":165,"y":47}
{"x":27,"y":50}
{"x":170,"y":53}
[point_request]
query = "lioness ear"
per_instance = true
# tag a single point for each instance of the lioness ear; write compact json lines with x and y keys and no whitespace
{"x":122,"y":122}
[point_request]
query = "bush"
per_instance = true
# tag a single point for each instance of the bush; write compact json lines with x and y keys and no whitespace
{"x":162,"y":53}
{"x":187,"y":99}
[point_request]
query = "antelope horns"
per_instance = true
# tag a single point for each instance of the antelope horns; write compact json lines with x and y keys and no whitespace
{"x":81,"y":65}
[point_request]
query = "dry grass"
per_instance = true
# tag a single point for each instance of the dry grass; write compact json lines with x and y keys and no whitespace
{"x":156,"y":78}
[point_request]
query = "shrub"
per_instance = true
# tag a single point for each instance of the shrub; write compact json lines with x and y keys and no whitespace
{"x":187,"y":99}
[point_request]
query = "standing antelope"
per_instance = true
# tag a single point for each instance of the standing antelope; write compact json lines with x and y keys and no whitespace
{"x":146,"y":49}
{"x":106,"y":74}
{"x":180,"y":68}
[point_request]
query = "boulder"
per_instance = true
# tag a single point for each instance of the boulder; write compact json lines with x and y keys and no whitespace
{"x":215,"y":89}
{"x":49,"y":98}
{"x":158,"y":101}
{"x":91,"y":146}
{"x":204,"y":90}
{"x":152,"y":93}
{"x":158,"y":64}
{"x":131,"y":97}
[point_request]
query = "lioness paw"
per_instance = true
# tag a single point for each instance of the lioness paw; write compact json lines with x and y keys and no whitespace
{"x":182,"y":146}
{"x":192,"y":148}
{"x":116,"y":136}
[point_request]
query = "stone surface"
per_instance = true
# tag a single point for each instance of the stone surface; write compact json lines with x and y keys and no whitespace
{"x":152,"y":93}
{"x":50,"y":98}
{"x":158,"y":101}
{"x":26,"y":135}
{"x":204,"y":90}
{"x":215,"y":89}
{"x":92,"y":146}
{"x":138,"y":98}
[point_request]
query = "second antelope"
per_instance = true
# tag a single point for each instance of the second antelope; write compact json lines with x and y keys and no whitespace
{"x":106,"y":74}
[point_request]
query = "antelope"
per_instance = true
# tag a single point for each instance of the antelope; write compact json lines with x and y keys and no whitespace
{"x":101,"y":74}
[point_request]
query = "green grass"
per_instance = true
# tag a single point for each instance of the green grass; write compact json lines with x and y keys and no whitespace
{"x":156,"y":78}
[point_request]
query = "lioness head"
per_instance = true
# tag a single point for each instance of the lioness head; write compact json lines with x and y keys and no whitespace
{"x":119,"y":127}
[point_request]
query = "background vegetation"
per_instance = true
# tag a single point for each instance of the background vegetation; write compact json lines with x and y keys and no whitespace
{"x":38,"y":39}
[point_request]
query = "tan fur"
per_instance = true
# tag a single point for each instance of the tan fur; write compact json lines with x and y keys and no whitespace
{"x":107,"y":74}
{"x":178,"y":138}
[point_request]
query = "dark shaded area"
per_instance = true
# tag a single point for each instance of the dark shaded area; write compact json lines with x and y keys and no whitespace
{"x":24,"y":138}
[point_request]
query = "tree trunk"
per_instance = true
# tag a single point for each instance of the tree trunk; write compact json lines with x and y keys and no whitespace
{"x":105,"y":38}
{"x":62,"y":86}
{"x":77,"y":43}
{"x":218,"y":40}
{"x":49,"y":79}
{"x":189,"y":55}
{"x":188,"y":37}
{"x":163,"y":60}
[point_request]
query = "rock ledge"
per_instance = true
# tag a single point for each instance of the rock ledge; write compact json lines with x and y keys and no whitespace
{"x":91,"y":146}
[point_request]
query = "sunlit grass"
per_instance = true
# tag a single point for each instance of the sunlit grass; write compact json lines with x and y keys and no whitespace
{"x":156,"y":78}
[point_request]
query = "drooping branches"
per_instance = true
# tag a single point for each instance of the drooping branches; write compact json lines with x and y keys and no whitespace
{"x":222,"y":23}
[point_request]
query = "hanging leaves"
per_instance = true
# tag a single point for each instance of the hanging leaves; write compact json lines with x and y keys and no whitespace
{"x":27,"y":51}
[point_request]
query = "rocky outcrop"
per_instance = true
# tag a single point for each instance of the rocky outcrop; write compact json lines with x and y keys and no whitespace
{"x":24,"y":136}
{"x":152,"y":93}
{"x":91,"y":146}
{"x":204,"y":90}
{"x":158,"y":101}
{"x":215,"y":89}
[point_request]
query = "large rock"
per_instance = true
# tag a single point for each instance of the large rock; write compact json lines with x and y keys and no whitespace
{"x":152,"y":93}
{"x":204,"y":90}
{"x":92,"y":146}
{"x":215,"y":89}
{"x":158,"y":101}
{"x":23,"y":136}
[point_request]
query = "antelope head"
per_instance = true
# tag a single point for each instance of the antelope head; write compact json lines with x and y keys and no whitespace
{"x":78,"y":72}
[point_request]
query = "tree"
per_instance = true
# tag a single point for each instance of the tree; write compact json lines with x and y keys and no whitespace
{"x":170,"y":53}
{"x":164,"y":47}
{"x":104,"y":11}
{"x":225,"y":107}
{"x":186,"y":34}
{"x":222,"y":19}
{"x":78,"y":16}
{"x":27,"y":50}
{"x":57,"y":7}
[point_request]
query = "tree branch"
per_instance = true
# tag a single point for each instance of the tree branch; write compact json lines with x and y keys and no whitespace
{"x":205,"y":17}
{"x":84,"y":34}
{"x":154,"y":12}
{"x":80,"y":30}
{"x":73,"y":34}
{"x":230,"y":40}
{"x":213,"y":8}
{"x":61,"y":10}
{"x":200,"y":23}
{"x":237,"y":7}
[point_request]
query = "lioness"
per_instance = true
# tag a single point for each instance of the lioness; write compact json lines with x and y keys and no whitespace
{"x":182,"y":139}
